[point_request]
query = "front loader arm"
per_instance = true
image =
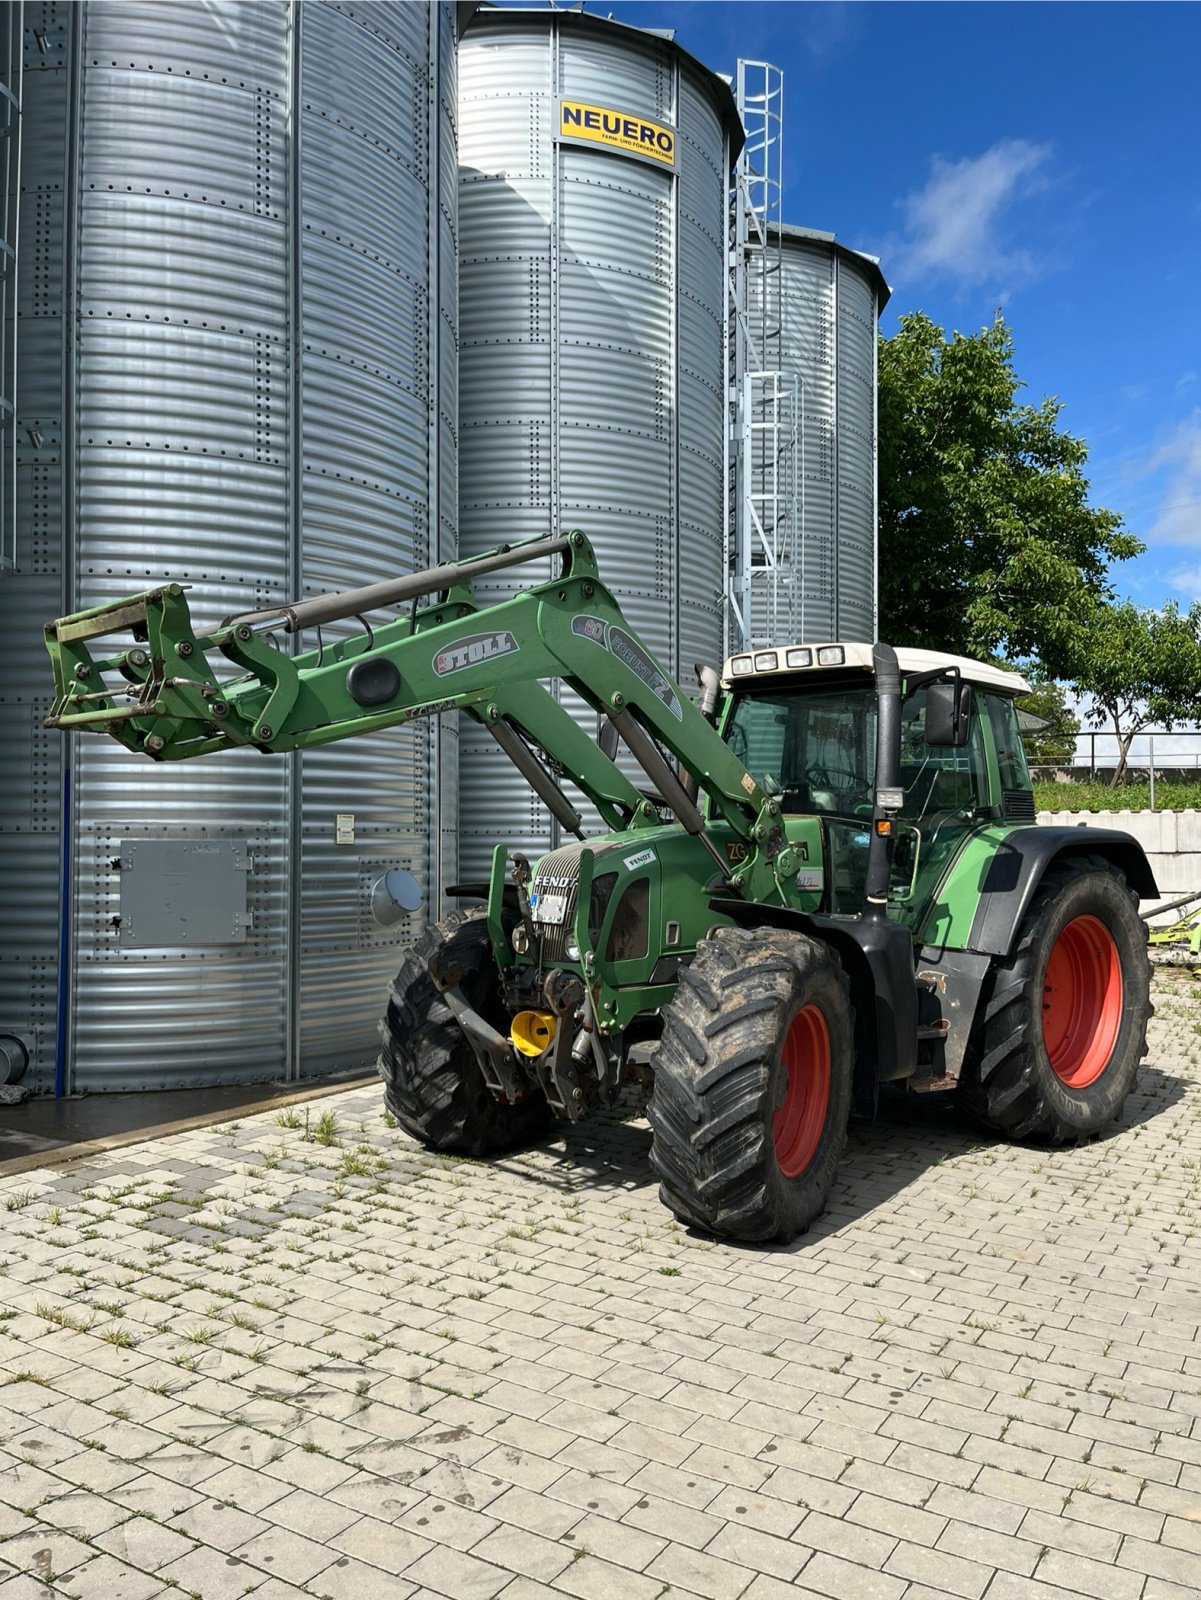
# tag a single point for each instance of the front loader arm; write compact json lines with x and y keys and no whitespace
{"x":169,"y":702}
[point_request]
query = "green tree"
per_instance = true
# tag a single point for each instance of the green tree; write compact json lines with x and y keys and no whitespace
{"x":987,"y":542}
{"x":1053,"y":742}
{"x":1138,"y":669}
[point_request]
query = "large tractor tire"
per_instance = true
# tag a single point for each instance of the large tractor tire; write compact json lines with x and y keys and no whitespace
{"x":752,"y":1085}
{"x":432,"y":1081}
{"x":1062,"y":1025}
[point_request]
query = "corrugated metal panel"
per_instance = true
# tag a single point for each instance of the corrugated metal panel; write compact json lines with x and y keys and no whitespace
{"x":826,"y":307}
{"x":31,"y":575}
{"x":700,"y":392}
{"x":592,"y":298}
{"x":856,"y":424}
{"x":374,"y":129}
{"x":636,"y":73}
{"x":181,"y":471}
{"x":244,"y":423}
{"x":444,"y":776}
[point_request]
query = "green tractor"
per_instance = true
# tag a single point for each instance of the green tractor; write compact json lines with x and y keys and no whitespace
{"x":824,"y":876}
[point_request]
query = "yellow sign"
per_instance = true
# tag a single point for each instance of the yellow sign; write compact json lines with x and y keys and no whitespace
{"x":634,"y":135}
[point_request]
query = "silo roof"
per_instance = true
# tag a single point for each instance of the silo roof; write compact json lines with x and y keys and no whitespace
{"x":588,"y":23}
{"x":868,"y":265}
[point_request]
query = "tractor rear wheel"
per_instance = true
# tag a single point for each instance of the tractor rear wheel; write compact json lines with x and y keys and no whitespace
{"x":752,"y":1085}
{"x":1063,"y":1021}
{"x":432,"y":1081}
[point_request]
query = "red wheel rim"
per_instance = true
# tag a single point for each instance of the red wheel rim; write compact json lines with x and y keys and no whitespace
{"x":797,"y":1126}
{"x":1082,"y":1002}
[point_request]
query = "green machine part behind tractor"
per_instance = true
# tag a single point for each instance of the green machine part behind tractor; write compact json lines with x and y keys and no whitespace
{"x":825,"y":877}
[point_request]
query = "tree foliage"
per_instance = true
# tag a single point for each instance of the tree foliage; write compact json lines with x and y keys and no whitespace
{"x":1138,"y":669}
{"x":987,"y":542}
{"x":1054,"y":743}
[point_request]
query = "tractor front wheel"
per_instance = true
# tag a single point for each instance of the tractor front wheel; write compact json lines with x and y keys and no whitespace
{"x":432,"y":1081}
{"x":752,"y":1085}
{"x":1063,"y":1021}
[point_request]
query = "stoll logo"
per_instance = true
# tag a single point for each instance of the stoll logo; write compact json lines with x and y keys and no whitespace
{"x":472,"y":651}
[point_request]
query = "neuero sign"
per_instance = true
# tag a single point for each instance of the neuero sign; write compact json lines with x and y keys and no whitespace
{"x":633,"y":135}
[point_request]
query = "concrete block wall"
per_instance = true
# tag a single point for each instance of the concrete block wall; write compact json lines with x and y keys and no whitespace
{"x":1172,"y":840}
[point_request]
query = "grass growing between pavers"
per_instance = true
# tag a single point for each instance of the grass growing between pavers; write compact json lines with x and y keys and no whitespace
{"x":302,"y":1345}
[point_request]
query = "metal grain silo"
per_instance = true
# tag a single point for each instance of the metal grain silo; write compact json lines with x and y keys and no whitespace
{"x":823,"y":303}
{"x":594,"y":168}
{"x":236,"y":370}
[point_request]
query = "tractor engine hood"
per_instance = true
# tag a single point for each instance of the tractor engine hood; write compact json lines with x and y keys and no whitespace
{"x":554,"y":888}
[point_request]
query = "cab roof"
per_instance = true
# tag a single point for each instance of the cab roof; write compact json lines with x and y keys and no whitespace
{"x":791,"y":660}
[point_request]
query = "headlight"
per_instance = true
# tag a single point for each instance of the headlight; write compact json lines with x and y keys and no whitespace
{"x":571,"y":950}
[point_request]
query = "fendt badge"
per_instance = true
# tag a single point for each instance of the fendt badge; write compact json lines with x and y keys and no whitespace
{"x":471,"y":651}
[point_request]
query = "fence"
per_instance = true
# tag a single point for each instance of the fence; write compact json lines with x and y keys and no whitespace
{"x":1154,"y":755}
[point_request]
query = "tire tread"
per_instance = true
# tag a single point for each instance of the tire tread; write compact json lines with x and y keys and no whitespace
{"x":1004,"y":1083}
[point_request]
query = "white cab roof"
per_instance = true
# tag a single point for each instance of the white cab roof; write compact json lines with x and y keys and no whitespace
{"x":793,"y":660}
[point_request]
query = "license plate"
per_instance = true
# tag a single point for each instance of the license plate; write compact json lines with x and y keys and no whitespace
{"x":551,"y":909}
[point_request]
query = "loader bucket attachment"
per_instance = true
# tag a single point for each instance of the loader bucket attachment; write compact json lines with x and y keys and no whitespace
{"x":157,"y":694}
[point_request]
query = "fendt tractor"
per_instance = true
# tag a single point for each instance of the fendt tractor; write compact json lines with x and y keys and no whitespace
{"x":824,"y":877}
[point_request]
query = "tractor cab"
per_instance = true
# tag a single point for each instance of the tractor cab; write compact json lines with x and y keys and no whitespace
{"x":803,"y":720}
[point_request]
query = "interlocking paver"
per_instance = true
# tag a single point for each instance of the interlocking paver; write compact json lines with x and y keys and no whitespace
{"x":45,"y":1552}
{"x":592,"y":1579}
{"x":144,"y":1543}
{"x":951,"y":1573}
{"x":115,"y":1580}
{"x":347,"y":1579}
{"x":759,"y":1552}
{"x":235,"y":1364}
{"x":79,"y":1512}
{"x":844,"y":1580}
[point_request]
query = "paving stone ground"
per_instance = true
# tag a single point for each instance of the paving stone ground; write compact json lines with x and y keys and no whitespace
{"x":299,"y":1356}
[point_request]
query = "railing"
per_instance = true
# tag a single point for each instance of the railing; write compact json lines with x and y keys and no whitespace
{"x":1154,"y":752}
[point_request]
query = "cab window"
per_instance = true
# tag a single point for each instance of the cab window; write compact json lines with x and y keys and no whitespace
{"x":938,"y":778}
{"x":816,"y":747}
{"x":1007,"y":739}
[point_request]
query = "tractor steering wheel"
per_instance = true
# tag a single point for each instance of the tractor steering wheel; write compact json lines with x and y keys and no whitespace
{"x":827,"y":778}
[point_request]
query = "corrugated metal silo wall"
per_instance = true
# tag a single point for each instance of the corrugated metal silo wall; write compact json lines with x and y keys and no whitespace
{"x":244,"y":402}
{"x":31,"y":589}
{"x":378,"y":431}
{"x":827,"y":317}
{"x":592,"y":295}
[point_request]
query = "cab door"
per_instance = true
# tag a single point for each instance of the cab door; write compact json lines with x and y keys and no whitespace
{"x":946,"y":795}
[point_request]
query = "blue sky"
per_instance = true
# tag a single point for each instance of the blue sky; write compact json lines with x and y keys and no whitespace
{"x":1044,"y":158}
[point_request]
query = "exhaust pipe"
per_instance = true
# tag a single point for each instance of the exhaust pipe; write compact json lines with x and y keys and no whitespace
{"x":888,"y":797}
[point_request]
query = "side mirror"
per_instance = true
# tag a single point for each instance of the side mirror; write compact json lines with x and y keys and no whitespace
{"x":607,"y":738}
{"x":949,"y":714}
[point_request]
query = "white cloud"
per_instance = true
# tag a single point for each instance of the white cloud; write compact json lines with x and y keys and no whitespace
{"x":831,"y":29}
{"x":1178,"y":520}
{"x":1187,"y":581}
{"x":954,"y":226}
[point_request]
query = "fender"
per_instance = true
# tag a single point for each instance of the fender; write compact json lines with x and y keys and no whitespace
{"x":877,"y":957}
{"x":1018,"y":868}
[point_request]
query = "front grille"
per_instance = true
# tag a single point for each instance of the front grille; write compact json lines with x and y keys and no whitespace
{"x":630,"y":933}
{"x":1018,"y":804}
{"x":558,"y":873}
